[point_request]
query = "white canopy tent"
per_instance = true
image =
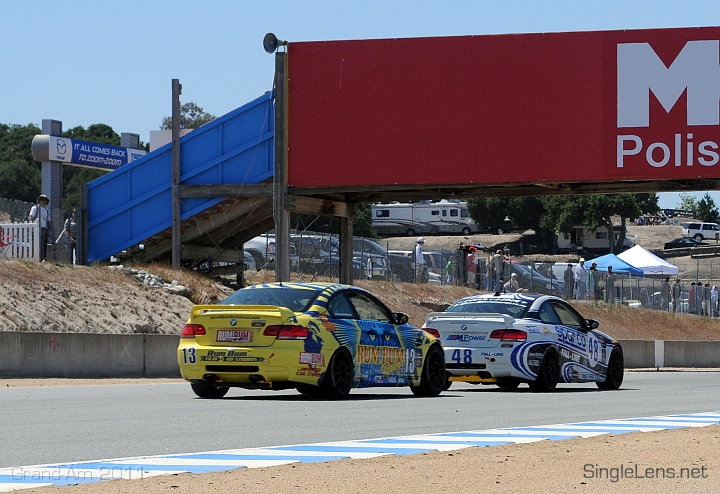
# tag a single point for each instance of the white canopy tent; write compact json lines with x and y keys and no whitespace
{"x":647,"y":261}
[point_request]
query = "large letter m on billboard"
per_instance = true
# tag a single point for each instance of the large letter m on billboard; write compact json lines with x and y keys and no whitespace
{"x":640,"y":70}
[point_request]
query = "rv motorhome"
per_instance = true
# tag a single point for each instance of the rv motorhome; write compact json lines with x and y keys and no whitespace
{"x":440,"y":218}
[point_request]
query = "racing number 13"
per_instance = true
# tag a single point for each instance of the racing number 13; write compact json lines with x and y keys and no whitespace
{"x":466,"y":356}
{"x":189,"y":355}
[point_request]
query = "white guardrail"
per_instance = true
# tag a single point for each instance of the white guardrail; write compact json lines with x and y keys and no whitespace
{"x":20,"y":241}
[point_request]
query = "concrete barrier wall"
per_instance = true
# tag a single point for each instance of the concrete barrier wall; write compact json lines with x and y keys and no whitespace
{"x":87,"y":355}
{"x":144,"y":355}
{"x":639,"y":354}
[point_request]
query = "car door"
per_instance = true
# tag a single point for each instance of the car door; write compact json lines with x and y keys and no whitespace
{"x":385,"y":354}
{"x":584,"y":352}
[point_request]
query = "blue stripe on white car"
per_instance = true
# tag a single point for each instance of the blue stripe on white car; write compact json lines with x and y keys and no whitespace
{"x":215,"y":461}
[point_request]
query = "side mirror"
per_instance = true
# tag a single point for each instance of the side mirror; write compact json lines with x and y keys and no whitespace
{"x":400,"y":318}
{"x":592,"y":323}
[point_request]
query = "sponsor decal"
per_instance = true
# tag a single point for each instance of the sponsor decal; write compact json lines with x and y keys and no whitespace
{"x":466,"y":337}
{"x":311,"y":358}
{"x":234,"y":336}
{"x":308,"y":372}
{"x":694,"y":72}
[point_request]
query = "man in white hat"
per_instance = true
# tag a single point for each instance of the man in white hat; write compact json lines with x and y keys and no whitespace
{"x":512,"y":286}
{"x":419,"y":260}
{"x":580,"y":279}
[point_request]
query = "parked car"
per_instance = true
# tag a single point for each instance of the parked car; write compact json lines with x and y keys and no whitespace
{"x":320,"y":338}
{"x":684,"y":242}
{"x":532,"y":280}
{"x":700,"y":231}
{"x":508,"y":339}
{"x":402,"y":265}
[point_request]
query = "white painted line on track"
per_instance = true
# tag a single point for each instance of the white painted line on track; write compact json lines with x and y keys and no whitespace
{"x":16,"y":478}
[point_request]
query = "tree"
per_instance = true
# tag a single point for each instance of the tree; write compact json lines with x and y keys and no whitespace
{"x":191,"y":117}
{"x":707,"y":210}
{"x":20,"y":174}
{"x":490,"y":213}
{"x":688,"y":203}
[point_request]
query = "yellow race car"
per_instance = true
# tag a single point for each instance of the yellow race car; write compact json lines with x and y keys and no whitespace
{"x":319,"y":338}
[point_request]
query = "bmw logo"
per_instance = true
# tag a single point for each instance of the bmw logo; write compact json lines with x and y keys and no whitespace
{"x":233,"y":322}
{"x":463,"y":327}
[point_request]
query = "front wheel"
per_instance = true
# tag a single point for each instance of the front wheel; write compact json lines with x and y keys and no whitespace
{"x":338,"y":378}
{"x":615,"y":371}
{"x":548,"y":374}
{"x":410,"y":232}
{"x":206,"y":390}
{"x":698,"y":237}
{"x":434,"y":377}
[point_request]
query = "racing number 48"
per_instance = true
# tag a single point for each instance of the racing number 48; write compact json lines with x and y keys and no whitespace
{"x":465,"y":358}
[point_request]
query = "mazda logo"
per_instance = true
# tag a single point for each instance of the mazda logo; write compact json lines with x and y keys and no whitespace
{"x":61,"y":147}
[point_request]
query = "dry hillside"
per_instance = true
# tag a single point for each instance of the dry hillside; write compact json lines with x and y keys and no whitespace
{"x":51,"y":297}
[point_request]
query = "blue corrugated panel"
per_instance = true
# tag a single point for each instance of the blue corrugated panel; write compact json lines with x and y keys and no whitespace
{"x":134,"y":202}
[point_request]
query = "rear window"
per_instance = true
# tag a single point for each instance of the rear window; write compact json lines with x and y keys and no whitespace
{"x":295,"y":299}
{"x":513,"y":308}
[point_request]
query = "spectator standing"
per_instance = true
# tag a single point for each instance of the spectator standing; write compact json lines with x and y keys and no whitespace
{"x":699,"y":299}
{"x":489,"y":272}
{"x":498,"y":265}
{"x":569,"y":278}
{"x":665,"y":294}
{"x":460,"y":254}
{"x":714,"y":301}
{"x":419,"y":260}
{"x":707,"y":300}
{"x":581,"y":279}
{"x":41,"y":213}
{"x":70,"y":232}
{"x":450,"y":270}
{"x":593,"y":280}
{"x":610,"y":286}
{"x":676,"y":292}
{"x":471,"y":266}
{"x":691,"y":298}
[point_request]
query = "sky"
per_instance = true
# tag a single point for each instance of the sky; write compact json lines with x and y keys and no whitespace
{"x":86,"y":61}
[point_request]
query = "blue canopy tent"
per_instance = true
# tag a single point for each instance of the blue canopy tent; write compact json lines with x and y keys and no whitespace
{"x":618,"y":265}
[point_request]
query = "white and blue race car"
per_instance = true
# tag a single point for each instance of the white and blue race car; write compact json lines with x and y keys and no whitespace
{"x":508,"y":339}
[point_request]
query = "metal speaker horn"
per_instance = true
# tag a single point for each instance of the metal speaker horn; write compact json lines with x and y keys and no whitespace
{"x":271,"y":43}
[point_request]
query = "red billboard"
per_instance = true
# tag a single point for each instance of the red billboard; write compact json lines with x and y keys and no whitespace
{"x":527,"y":108}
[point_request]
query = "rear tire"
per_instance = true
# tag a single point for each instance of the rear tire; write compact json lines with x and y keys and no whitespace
{"x":434,"y":377}
{"x":548,"y":374}
{"x":338,"y":379}
{"x":615,"y":371}
{"x":208,"y":391}
{"x":466,"y":231}
{"x":698,"y":237}
{"x":410,"y":232}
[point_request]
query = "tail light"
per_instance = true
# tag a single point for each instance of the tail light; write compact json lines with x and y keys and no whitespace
{"x":433,"y":332}
{"x":192,"y":330}
{"x":287,"y":332}
{"x":509,"y":335}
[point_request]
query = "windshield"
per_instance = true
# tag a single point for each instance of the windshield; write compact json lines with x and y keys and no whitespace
{"x":513,"y":308}
{"x":295,"y":299}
